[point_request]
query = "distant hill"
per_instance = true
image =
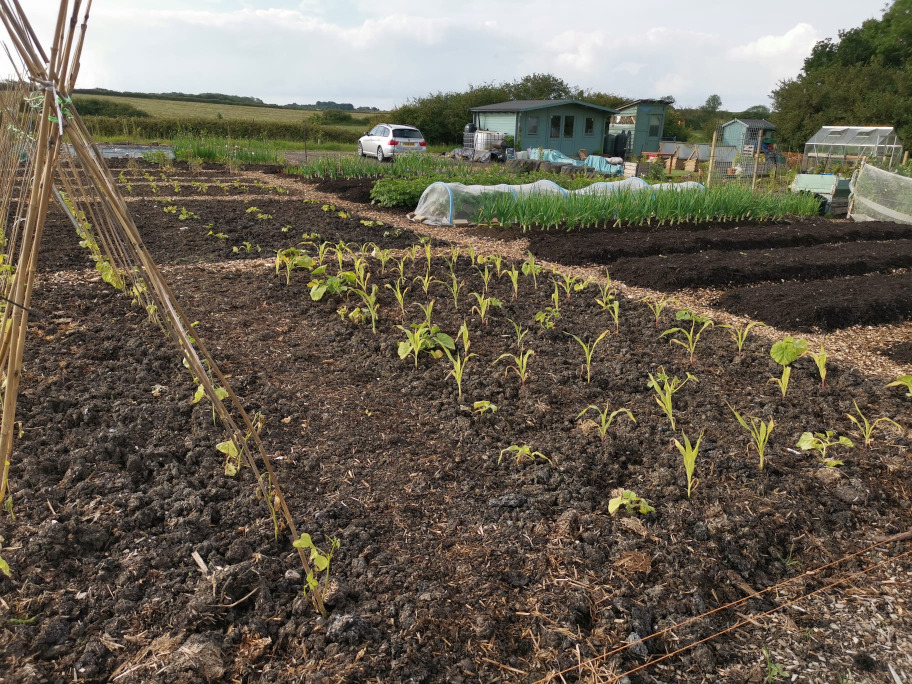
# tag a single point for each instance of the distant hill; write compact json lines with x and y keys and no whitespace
{"x":221,"y":98}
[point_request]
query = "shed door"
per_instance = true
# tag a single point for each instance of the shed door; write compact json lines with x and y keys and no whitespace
{"x":563,"y":132}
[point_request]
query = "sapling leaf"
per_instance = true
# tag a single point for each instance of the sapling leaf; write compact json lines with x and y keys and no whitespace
{"x":903,"y":381}
{"x":4,"y":567}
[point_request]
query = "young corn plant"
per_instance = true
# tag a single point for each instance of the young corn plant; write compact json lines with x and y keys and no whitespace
{"x":484,"y":306}
{"x":531,"y":268}
{"x":739,"y":335}
{"x":371,"y":304}
{"x":821,"y":442}
{"x":820,"y":359}
{"x":520,"y":364}
{"x":513,"y":275}
{"x":785,"y":352}
{"x":588,"y":350}
{"x":383,"y":256}
{"x":566,"y":282}
{"x":520,"y":333}
{"x":497,"y":260}
{"x":903,"y":381}
{"x":689,"y":453}
{"x":605,"y":418}
{"x":659,"y":305}
{"x":691,"y":336}
{"x":522,"y":452}
{"x":399,"y":294}
{"x":455,"y":286}
{"x":759,"y":431}
{"x":665,"y":388}
{"x":426,"y":281}
{"x":427,"y":310}
{"x":485,"y":277}
{"x":399,"y":266}
{"x":459,"y":365}
{"x":866,"y":427}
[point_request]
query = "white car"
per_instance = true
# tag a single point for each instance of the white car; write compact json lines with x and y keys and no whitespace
{"x":385,"y":140}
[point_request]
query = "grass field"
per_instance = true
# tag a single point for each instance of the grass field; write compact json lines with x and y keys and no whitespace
{"x":173,"y":109}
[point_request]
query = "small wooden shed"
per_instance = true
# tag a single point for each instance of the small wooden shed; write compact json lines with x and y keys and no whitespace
{"x":636,"y":128}
{"x":565,"y":125}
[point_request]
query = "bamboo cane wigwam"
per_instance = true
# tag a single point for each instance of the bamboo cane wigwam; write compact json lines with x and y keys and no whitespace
{"x":47,"y":153}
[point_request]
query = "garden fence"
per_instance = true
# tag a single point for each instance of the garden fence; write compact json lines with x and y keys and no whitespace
{"x":743,"y":152}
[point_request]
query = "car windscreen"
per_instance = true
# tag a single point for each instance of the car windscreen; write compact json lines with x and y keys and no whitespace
{"x":408,"y":133}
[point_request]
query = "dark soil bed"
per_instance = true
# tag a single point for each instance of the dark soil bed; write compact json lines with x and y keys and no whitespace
{"x":826,"y":305}
{"x":715,"y":268}
{"x":455,"y":564}
{"x":602,"y":247}
{"x":355,"y":190}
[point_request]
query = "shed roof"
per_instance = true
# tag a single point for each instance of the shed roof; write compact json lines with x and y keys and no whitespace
{"x":528,"y":105}
{"x":859,"y":136}
{"x":644,"y":101}
{"x":754,"y":123}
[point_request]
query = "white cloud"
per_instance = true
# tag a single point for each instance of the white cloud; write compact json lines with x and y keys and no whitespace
{"x":796,"y":43}
{"x":632,"y":68}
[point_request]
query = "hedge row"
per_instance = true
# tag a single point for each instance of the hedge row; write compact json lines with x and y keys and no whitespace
{"x":222,"y":128}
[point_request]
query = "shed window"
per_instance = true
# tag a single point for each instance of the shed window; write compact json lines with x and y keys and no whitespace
{"x":532,"y":125}
{"x":590,"y":126}
{"x":568,"y":126}
{"x":655,"y":125}
{"x":555,"y":126}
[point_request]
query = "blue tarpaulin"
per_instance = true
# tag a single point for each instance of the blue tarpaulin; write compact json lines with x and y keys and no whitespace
{"x":598,"y":163}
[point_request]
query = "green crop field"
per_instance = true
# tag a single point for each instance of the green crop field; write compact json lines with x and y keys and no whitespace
{"x":173,"y":109}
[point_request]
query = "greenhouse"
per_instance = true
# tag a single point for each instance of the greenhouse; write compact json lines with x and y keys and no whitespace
{"x":849,"y":145}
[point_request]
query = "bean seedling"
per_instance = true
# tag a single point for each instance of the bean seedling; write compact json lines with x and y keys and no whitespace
{"x":484,"y":406}
{"x":759,"y":431}
{"x":630,"y":501}
{"x":665,"y":389}
{"x":424,"y":338}
{"x":785,"y":352}
{"x":820,"y":442}
{"x":866,"y":427}
{"x":320,"y":561}
{"x":605,"y":418}
{"x":903,"y":381}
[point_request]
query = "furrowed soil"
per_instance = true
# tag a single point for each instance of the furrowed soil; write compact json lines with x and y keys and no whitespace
{"x":457,"y":561}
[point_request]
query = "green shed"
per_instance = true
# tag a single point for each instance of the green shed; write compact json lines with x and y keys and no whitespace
{"x":636,"y":128}
{"x":565,"y":125}
{"x":742,"y":133}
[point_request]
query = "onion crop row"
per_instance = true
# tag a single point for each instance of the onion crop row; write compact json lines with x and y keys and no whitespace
{"x":642,"y":207}
{"x":402,"y":166}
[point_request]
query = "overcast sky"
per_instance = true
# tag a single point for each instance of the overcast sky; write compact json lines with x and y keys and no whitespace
{"x":383,"y":53}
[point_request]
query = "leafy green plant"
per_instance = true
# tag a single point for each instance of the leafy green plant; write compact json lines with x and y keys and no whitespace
{"x":629,"y":500}
{"x":186,"y":214}
{"x":246,"y":247}
{"x":588,"y":350}
{"x":866,"y":427}
{"x":547,"y":318}
{"x":320,"y":561}
{"x":484,"y":406}
{"x":170,"y":209}
{"x":605,"y":418}
{"x":689,"y":453}
{"x":424,"y":338}
{"x":522,"y":452}
{"x":785,"y":352}
{"x":657,"y":306}
{"x":220,"y":392}
{"x":291,"y":259}
{"x":331,"y":285}
{"x":759,"y":431}
{"x":774,"y":671}
{"x":520,"y":364}
{"x":739,"y":334}
{"x":691,"y":336}
{"x":903,"y":381}
{"x":821,"y":442}
{"x":484,"y":306}
{"x":665,"y":388}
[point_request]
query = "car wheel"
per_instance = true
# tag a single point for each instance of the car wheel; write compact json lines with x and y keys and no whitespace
{"x":380,"y":157}
{"x":360,"y":150}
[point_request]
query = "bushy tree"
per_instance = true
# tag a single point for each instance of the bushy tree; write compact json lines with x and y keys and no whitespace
{"x":863,"y":78}
{"x":713,"y":104}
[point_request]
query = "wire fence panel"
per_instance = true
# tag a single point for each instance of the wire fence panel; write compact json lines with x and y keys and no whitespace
{"x":745,"y":153}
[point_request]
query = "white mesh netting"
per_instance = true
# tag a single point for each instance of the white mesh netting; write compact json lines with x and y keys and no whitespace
{"x":443,"y":203}
{"x":881,"y":196}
